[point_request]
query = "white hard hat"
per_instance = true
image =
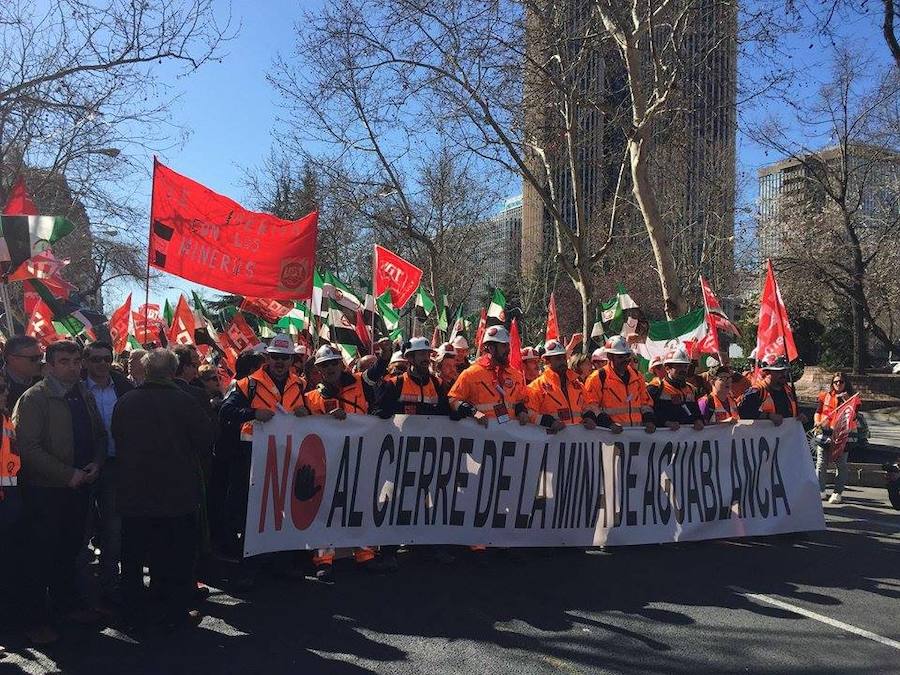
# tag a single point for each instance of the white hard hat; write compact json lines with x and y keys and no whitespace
{"x":417,"y":344}
{"x":554,"y":348}
{"x":446,"y":350}
{"x":258,"y":348}
{"x":460,"y":342}
{"x":281,"y":344}
{"x":496,"y":334}
{"x":712,"y":362}
{"x":530,"y":354}
{"x":677,"y":356}
{"x":655,"y":362}
{"x":300,"y":349}
{"x":397,"y":357}
{"x":617,"y":345}
{"x":775,"y":363}
{"x":599,"y":355}
{"x":327,"y":353}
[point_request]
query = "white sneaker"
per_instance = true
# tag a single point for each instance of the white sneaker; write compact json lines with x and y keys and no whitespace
{"x":835,"y":498}
{"x":824,"y":495}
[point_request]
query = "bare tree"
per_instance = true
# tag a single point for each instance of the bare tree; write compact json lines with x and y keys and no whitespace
{"x":79,"y":89}
{"x":839,"y":216}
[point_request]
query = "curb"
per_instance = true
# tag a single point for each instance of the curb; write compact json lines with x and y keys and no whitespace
{"x":866,"y":475}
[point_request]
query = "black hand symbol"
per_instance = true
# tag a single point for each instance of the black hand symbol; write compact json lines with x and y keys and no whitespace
{"x":305,"y":487}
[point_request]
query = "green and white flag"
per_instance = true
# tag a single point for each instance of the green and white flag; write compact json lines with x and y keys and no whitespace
{"x":24,"y":236}
{"x":335,"y":289}
{"x":496,"y":313}
{"x":168,"y":314}
{"x":442,"y":313}
{"x":686,"y":330}
{"x":132,"y":344}
{"x":297,"y":320}
{"x":424,"y":304}
{"x":315,"y":303}
{"x":389,"y":315}
{"x":340,"y":326}
{"x":612,"y":312}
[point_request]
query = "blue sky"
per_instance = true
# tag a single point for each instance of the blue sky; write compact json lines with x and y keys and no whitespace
{"x":230,"y":110}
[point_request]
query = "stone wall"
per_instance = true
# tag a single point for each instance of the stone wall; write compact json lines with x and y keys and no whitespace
{"x":875,"y":389}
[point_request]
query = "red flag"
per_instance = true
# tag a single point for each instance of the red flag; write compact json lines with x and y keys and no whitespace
{"x":436,"y":338}
{"x":716,"y":320}
{"x":148,"y":324}
{"x":42,"y":266}
{"x":40,"y":324}
{"x":515,"y":346}
{"x":183,"y":324}
{"x":773,"y":334}
{"x":239,"y":334}
{"x":362,"y":331}
{"x":552,"y":321}
{"x":118,"y":326}
{"x":19,"y":202}
{"x":267,"y":309}
{"x":482,"y":324}
{"x":202,"y":236}
{"x":842,"y":421}
{"x":392,"y":273}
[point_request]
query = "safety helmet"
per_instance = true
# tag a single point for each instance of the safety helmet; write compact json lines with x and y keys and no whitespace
{"x":496,"y":334}
{"x":554,"y":348}
{"x":677,"y":356}
{"x":300,"y":349}
{"x":417,"y":344}
{"x":530,"y":354}
{"x":655,"y":362}
{"x":460,"y":342}
{"x":397,"y":357}
{"x":281,"y":344}
{"x":327,"y":353}
{"x":617,"y":344}
{"x":599,"y":355}
{"x":775,"y":363}
{"x":445,"y":351}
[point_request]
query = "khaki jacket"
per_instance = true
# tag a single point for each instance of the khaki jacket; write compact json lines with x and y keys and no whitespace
{"x":44,"y":434}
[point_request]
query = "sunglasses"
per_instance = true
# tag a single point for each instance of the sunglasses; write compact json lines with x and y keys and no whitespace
{"x":837,"y":382}
{"x":280,"y":357}
{"x":34,"y":359}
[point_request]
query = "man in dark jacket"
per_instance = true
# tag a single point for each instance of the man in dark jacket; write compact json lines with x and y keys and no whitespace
{"x":107,"y":387}
{"x":62,"y":445}
{"x":162,"y":438}
{"x":22,"y":356}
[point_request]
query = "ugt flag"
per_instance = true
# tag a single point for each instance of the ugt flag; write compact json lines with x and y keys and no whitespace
{"x":202,"y":236}
{"x":392,"y":273}
{"x":773,"y":334}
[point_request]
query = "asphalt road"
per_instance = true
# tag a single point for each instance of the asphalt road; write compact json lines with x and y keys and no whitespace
{"x":820,"y":602}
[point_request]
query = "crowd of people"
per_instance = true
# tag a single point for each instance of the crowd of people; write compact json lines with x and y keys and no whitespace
{"x":146,"y":459}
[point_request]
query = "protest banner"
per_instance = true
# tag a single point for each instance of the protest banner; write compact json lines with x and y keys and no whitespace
{"x":320,"y":482}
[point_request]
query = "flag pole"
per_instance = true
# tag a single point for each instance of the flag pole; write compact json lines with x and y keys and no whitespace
{"x":7,"y":305}
{"x":149,"y":239}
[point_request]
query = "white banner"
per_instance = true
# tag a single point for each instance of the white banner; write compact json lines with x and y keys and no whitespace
{"x":321,"y":482}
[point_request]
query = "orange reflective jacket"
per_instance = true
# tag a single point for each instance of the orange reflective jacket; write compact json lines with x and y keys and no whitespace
{"x":10,"y":463}
{"x":490,"y":389}
{"x":350,"y":397}
{"x":625,"y":404}
{"x":768,"y":403}
{"x":722,"y":411}
{"x":547,"y":397}
{"x":263,"y":394}
{"x":828,"y":403}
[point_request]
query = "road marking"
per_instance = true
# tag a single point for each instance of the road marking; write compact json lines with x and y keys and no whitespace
{"x":862,"y":632}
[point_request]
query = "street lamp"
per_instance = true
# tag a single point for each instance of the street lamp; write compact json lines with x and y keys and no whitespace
{"x":108,"y":152}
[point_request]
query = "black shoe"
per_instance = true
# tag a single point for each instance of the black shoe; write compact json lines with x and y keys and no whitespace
{"x":325,"y":574}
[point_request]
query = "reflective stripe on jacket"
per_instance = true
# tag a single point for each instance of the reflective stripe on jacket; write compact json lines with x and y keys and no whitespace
{"x":351,"y":398}
{"x":10,"y":463}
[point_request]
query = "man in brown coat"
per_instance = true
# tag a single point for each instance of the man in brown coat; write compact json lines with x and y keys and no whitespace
{"x":62,"y":445}
{"x":163,"y":438}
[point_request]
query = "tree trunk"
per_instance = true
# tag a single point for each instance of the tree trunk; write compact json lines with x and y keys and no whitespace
{"x":587,"y":322}
{"x":646,"y":200}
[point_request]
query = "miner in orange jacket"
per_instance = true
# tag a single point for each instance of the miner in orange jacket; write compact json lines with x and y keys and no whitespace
{"x":616,"y":392}
{"x":556,"y":398}
{"x":771,"y":398}
{"x":338,"y":394}
{"x":489,"y":389}
{"x":531,"y":364}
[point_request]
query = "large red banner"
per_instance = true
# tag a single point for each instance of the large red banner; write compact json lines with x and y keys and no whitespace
{"x":773,"y":334}
{"x":204,"y":237}
{"x":393,"y":273}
